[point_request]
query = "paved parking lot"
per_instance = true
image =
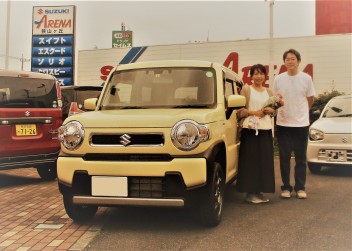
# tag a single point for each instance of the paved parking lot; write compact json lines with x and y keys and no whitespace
{"x":32,"y":216}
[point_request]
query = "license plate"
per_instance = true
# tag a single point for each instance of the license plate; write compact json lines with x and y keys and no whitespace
{"x":26,"y":130}
{"x":109,"y":186}
{"x":336,"y":155}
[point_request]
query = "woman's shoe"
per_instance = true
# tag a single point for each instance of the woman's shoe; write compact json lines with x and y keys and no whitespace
{"x":261,"y":196}
{"x":255,"y":199}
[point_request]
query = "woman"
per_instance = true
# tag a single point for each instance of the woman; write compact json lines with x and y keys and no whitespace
{"x":256,"y":156}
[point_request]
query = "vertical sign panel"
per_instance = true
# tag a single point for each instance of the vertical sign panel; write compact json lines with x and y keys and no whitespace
{"x":53,"y":42}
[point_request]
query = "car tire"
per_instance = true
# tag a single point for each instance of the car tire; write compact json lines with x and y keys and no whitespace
{"x":79,"y":213}
{"x":314,"y":168}
{"x":211,"y":205}
{"x":48,"y":171}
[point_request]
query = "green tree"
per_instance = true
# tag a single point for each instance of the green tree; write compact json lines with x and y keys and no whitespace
{"x":319,"y":103}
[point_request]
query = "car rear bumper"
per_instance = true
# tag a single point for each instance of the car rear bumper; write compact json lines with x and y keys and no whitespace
{"x":27,"y":161}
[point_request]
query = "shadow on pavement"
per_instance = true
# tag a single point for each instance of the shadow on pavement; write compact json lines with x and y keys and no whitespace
{"x":340,"y":171}
{"x":9,"y":180}
{"x":149,"y":219}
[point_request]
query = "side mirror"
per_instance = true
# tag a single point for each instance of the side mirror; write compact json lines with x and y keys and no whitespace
{"x":90,"y":104}
{"x":236,"y":101}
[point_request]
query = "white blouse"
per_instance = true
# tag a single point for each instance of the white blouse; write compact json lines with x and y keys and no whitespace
{"x":256,"y":102}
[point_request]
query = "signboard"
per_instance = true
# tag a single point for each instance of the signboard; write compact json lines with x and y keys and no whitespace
{"x":53,"y":51}
{"x":121,"y":39}
{"x":332,"y":17}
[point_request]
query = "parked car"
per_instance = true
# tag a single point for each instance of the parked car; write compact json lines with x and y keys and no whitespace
{"x":30,"y":108}
{"x":163,"y":133}
{"x":73,"y":98}
{"x":330,"y":137}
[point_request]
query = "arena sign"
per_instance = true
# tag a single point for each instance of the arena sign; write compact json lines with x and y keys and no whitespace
{"x":53,"y":42}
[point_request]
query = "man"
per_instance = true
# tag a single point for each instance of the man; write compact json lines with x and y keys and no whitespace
{"x":298,"y":92}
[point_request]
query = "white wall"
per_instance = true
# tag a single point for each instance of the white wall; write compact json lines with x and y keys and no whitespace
{"x":329,"y":54}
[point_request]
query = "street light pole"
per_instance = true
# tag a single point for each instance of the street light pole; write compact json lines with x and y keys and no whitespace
{"x":271,"y":42}
{"x":23,"y":60}
{"x":7,"y":35}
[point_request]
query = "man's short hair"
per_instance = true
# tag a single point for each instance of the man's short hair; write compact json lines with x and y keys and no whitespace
{"x":294,"y":52}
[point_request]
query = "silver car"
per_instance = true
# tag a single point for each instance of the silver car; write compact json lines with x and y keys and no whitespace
{"x":330,"y":137}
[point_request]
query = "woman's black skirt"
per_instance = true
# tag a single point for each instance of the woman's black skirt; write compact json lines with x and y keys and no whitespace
{"x":256,"y":162}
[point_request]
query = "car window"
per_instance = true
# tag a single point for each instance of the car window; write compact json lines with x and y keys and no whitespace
{"x":161,"y":87}
{"x":338,"y":107}
{"x":27,"y":93}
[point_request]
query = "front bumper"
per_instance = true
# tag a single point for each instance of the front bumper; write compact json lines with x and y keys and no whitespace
{"x":192,"y":170}
{"x":159,"y":183}
{"x":117,"y":201}
{"x":329,"y":154}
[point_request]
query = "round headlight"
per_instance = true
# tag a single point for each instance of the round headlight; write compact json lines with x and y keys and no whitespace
{"x":315,"y":134}
{"x":187,"y":134}
{"x":71,"y":135}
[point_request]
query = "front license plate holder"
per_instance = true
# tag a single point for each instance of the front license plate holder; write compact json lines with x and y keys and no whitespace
{"x":336,"y":155}
{"x":109,"y":186}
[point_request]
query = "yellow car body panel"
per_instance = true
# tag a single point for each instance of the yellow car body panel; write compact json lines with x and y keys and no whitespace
{"x":193,"y":170}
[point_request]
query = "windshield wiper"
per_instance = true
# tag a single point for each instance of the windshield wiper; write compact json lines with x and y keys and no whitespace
{"x":340,"y":116}
{"x":190,"y":106}
{"x":132,"y":107}
{"x":344,"y":115}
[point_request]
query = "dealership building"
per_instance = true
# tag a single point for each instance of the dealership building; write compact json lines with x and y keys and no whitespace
{"x":326,"y":56}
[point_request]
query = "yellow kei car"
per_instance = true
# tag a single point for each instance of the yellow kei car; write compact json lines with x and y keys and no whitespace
{"x":163,"y":133}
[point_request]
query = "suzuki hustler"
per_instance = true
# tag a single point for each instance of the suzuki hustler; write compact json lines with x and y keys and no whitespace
{"x":162,"y":133}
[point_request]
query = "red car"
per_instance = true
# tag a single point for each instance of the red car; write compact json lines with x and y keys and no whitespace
{"x":30,"y":115}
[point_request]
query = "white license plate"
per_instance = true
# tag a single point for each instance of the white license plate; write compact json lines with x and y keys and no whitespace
{"x":109,"y":186}
{"x":336,"y":155}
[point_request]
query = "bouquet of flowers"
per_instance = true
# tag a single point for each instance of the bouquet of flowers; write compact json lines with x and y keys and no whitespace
{"x":274,"y":102}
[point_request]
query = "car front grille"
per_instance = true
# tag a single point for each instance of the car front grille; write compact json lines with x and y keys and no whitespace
{"x":126,"y":157}
{"x":128,"y":139}
{"x":143,"y":187}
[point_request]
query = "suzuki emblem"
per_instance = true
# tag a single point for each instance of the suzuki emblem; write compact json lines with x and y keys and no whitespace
{"x":125,"y":139}
{"x":27,"y":113}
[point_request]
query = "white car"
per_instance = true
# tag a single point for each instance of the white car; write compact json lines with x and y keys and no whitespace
{"x":330,"y":137}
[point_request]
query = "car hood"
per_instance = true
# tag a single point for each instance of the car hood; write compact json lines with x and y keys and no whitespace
{"x":139,"y":118}
{"x":334,"y":125}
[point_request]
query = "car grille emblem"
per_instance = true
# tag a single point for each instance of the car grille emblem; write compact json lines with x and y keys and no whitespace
{"x":125,"y":139}
{"x":344,"y":140}
{"x":27,"y":113}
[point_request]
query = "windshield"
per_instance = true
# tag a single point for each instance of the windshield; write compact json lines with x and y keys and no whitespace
{"x":27,"y":93}
{"x":339,"y":107}
{"x":161,"y":88}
